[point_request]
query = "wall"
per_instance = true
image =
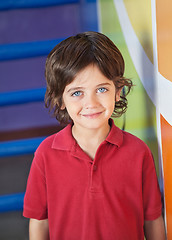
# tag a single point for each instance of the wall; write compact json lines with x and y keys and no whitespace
{"x":143,"y":32}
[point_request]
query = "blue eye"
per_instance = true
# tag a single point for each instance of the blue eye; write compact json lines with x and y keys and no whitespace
{"x":102,"y":90}
{"x":76,"y":94}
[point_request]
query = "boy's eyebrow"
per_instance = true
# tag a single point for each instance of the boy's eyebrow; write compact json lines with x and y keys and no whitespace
{"x":80,"y":88}
{"x":103,"y":84}
{"x":74,"y":89}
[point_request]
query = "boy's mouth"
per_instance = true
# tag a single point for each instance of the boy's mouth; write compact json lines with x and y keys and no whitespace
{"x":92,"y":115}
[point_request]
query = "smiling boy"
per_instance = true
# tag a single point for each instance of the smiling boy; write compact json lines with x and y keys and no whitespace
{"x":89,"y":100}
{"x":91,"y":181}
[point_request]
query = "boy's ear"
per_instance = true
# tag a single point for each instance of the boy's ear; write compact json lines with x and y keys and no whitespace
{"x":63,"y":106}
{"x":118,"y":94}
{"x":57,"y":102}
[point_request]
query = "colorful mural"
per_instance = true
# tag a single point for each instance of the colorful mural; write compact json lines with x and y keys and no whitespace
{"x":143,"y":32}
{"x":164,"y":49}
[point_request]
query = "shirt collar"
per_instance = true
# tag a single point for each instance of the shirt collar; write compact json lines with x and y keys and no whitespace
{"x":64,"y":140}
{"x":115,"y":135}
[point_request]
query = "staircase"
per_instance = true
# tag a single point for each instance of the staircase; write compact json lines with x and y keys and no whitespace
{"x":29,"y":29}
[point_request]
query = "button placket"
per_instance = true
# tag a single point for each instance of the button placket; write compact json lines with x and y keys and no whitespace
{"x":94,"y":167}
{"x":95,"y":181}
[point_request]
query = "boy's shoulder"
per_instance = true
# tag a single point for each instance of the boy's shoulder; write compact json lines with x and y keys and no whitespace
{"x":131,"y":137}
{"x":135,"y":142}
{"x":126,"y":141}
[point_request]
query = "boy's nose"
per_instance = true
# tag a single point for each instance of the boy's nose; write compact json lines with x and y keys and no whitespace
{"x":91,"y":101}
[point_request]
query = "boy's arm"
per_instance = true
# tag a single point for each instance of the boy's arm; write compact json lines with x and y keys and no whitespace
{"x":38,"y":229}
{"x":155,"y":230}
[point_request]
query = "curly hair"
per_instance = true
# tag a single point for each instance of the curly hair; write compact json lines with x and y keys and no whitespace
{"x":71,"y":56}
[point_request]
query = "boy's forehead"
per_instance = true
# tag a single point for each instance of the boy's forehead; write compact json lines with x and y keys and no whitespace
{"x":91,"y":75}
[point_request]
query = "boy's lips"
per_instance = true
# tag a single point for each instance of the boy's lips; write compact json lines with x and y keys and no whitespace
{"x":92,"y":115}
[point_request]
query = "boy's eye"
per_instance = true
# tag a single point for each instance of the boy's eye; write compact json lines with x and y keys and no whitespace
{"x":77,"y":94}
{"x":101,"y":90}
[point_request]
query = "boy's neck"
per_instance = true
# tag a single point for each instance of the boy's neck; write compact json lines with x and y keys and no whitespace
{"x":90,"y":139}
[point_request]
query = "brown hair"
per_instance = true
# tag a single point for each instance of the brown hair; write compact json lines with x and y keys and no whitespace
{"x":74,"y":54}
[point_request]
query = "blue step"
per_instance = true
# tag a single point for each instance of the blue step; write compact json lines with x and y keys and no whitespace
{"x":22,"y":97}
{"x":27,"y":49}
{"x":19,"y":147}
{"x":15,"y":4}
{"x":11,"y":202}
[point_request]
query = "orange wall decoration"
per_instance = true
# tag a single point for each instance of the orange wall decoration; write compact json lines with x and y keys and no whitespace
{"x":164,"y":49}
{"x":166,"y":133}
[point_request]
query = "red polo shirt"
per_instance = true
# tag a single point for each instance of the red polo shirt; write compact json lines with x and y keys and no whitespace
{"x":104,"y":199}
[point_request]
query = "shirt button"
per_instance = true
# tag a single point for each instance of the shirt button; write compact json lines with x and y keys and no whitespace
{"x":94,"y":168}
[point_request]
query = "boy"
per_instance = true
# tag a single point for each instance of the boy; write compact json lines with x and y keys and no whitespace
{"x":91,"y":181}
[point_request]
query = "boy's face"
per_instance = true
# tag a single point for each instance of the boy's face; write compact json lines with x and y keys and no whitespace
{"x":90,"y":98}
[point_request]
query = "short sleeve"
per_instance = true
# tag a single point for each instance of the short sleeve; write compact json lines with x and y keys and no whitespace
{"x":151,"y":193}
{"x":35,"y":201}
